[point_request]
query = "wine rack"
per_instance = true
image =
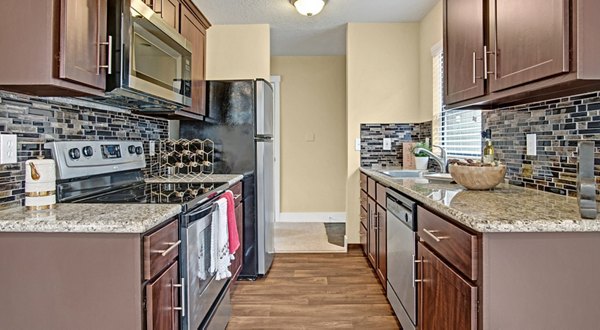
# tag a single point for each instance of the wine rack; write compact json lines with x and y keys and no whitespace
{"x":183,"y":159}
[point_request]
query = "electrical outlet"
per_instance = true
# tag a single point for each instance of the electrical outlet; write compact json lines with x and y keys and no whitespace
{"x":8,"y":148}
{"x":387,"y":144}
{"x":152,"y":147}
{"x":531,"y":145}
{"x":357,"y":144}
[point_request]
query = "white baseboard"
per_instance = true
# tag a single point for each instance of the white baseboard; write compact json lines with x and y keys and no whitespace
{"x":312,"y":217}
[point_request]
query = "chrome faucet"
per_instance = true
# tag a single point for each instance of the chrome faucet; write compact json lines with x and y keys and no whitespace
{"x":442,"y":161}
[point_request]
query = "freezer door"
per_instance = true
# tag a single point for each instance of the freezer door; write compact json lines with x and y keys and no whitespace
{"x":265,"y":205}
{"x":264,"y":108}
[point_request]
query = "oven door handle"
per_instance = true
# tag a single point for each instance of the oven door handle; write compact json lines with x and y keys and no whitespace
{"x":193,"y":216}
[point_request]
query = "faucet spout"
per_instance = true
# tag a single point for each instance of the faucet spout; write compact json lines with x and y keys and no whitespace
{"x":442,"y":161}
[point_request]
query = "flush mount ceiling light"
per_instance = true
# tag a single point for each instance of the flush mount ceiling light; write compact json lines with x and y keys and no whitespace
{"x":308,"y":7}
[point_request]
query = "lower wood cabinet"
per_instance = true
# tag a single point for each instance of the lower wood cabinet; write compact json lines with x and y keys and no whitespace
{"x":446,"y":300}
{"x":162,"y":300}
{"x":373,"y":222}
{"x":381,"y":268}
{"x":363,"y":238}
{"x":236,"y":264}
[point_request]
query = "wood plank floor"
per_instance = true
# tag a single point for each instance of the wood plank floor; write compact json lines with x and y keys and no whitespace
{"x":314,"y":291}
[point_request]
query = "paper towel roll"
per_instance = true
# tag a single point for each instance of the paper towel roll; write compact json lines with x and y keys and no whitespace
{"x":40,"y":184}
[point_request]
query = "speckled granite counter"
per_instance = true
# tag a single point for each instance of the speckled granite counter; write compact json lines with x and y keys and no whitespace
{"x":88,"y":218}
{"x":229,"y":178}
{"x":507,"y":208}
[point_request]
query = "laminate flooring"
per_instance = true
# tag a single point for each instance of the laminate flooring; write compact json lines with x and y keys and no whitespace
{"x":314,"y":291}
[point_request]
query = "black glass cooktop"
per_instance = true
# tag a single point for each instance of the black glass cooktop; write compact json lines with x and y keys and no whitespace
{"x":154,"y":193}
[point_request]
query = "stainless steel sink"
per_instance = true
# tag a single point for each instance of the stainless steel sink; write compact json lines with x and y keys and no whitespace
{"x":403,"y":173}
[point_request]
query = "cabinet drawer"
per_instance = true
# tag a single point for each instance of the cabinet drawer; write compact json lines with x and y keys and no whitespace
{"x":160,"y":248}
{"x":455,"y":245}
{"x":363,"y":181}
{"x":236,"y":189}
{"x":371,"y":187}
{"x":381,"y":194}
{"x":363,"y":199}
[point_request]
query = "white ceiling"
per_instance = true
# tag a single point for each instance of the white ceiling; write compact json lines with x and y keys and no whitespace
{"x":323,"y":34}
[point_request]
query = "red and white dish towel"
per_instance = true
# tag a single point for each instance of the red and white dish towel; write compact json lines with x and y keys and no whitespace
{"x":224,"y":237}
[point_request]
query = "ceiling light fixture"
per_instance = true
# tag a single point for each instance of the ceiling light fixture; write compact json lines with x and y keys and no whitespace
{"x":308,"y":7}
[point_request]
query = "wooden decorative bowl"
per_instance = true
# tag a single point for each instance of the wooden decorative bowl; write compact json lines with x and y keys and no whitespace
{"x":477,"y":178}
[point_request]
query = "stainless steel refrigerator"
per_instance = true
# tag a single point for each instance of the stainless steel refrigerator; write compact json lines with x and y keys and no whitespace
{"x":240,"y":123}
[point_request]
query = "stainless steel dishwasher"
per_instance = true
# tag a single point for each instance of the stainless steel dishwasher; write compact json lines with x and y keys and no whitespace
{"x":401,"y":250}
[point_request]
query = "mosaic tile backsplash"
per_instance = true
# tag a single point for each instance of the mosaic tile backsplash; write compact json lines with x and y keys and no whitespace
{"x":559,"y":124}
{"x":35,"y":120}
{"x":371,"y":145}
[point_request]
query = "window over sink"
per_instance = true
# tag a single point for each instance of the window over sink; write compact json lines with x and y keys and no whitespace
{"x":458,"y":131}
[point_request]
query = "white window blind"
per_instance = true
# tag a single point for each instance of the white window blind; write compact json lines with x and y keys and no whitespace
{"x":458,"y":131}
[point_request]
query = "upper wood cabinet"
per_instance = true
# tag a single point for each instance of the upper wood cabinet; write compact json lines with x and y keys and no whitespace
{"x":529,"y":40}
{"x":463,"y":49}
{"x":54,"y":48}
{"x":168,"y":10}
{"x":194,"y":30}
{"x":507,"y":52}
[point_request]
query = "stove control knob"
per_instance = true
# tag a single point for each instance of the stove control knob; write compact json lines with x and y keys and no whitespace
{"x":131,"y":149}
{"x":139,"y":150}
{"x":74,"y":153}
{"x":87,"y":151}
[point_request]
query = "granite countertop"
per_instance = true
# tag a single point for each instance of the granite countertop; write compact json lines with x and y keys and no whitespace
{"x":112,"y":218}
{"x":190,"y":178}
{"x":88,"y":218}
{"x":506,"y":208}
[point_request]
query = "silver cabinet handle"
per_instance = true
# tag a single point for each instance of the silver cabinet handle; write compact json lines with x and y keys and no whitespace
{"x":108,"y":66}
{"x":173,"y":245}
{"x":237,"y":196}
{"x":376,"y":216}
{"x":432,"y":234}
{"x":485,"y":63}
{"x":474,"y":64}
{"x":182,"y":288}
{"x":414,"y":274}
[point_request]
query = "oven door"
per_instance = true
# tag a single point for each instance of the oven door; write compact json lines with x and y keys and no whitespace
{"x":202,"y":289}
{"x":159,"y":57}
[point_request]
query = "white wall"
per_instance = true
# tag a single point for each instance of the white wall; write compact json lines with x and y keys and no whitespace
{"x":431,"y":32}
{"x":382,"y":87}
{"x":238,"y":52}
{"x":313,"y":133}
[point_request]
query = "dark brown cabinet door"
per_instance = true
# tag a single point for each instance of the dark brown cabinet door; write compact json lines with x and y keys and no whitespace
{"x":236,"y":264}
{"x":169,"y":11}
{"x":372,"y":232}
{"x":82,"y":34}
{"x":463,"y":49}
{"x":192,"y":30}
{"x":162,"y":299}
{"x":363,"y":238}
{"x":381,"y":245}
{"x":446,"y":300}
{"x":531,"y":41}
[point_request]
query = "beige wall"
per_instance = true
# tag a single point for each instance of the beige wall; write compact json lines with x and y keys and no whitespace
{"x":238,"y":52}
{"x":382,"y":87}
{"x":313,"y":132}
{"x":431,"y":32}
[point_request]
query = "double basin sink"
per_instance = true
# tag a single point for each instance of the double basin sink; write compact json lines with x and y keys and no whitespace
{"x":432,"y":177}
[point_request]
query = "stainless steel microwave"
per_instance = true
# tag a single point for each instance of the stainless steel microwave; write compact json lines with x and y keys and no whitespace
{"x":149,"y":58}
